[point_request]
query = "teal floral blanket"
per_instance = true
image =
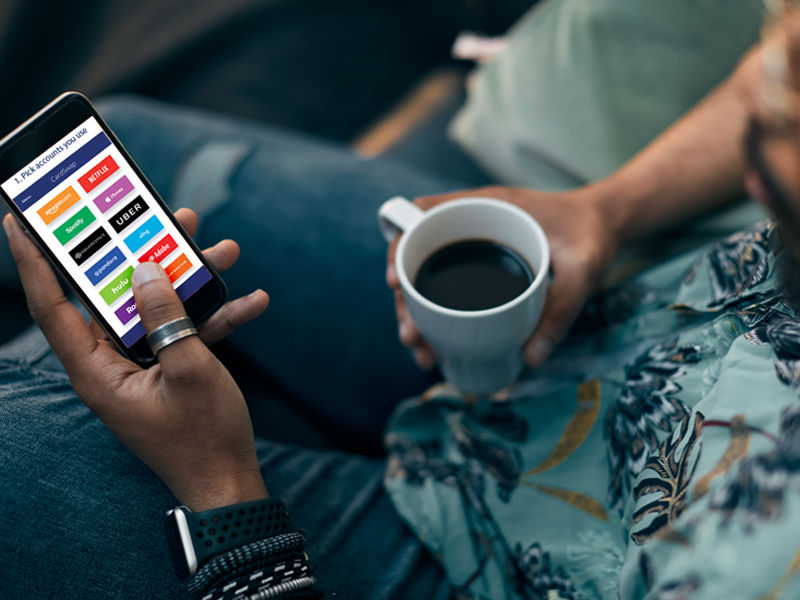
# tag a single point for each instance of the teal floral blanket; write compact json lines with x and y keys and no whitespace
{"x":656,"y":456}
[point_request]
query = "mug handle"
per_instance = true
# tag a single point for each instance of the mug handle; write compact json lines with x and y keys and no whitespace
{"x":397,"y":215}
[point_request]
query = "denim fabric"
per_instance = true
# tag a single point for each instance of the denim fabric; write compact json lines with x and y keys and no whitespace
{"x":304,"y":213}
{"x":83,"y":518}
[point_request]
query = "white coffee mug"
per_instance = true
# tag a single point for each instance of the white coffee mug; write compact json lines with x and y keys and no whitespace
{"x":479,"y":351}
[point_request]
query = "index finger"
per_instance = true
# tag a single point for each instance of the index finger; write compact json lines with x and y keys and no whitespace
{"x":391,"y":270}
{"x":63,"y":326}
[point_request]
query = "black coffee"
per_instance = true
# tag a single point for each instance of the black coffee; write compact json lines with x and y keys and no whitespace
{"x":473,"y":275}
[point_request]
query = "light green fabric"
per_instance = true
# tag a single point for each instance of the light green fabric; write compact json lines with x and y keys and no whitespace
{"x":585,"y":84}
{"x":656,"y":456}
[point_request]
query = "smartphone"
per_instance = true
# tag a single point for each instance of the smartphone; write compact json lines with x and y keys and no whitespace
{"x":93,"y":214}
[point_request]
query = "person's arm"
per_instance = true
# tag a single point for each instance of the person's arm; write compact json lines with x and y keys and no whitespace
{"x":184,"y":417}
{"x":696,"y":165}
{"x":693,"y":167}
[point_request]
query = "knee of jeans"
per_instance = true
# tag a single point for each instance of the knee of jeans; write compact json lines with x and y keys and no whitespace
{"x":204,"y":181}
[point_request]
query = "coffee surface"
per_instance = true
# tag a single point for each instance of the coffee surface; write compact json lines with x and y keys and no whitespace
{"x":473,"y":275}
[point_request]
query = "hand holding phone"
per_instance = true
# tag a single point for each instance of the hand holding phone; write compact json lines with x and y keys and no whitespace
{"x":185,"y":417}
{"x":95,"y":217}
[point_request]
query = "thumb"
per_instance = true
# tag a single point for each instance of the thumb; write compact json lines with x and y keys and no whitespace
{"x":157,"y":302}
{"x":565,"y":299}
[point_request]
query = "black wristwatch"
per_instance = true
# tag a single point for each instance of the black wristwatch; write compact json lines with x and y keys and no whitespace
{"x":193,"y":538}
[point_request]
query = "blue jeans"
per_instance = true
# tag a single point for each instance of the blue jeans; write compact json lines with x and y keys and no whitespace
{"x":82,"y":517}
{"x":304,"y":213}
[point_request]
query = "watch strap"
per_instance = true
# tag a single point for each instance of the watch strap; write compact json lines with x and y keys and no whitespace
{"x":222,"y":529}
{"x":193,"y":538}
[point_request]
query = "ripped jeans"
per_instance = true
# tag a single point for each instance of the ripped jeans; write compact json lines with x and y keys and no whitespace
{"x":304,"y":213}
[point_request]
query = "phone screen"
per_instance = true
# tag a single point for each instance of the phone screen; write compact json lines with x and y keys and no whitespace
{"x":98,"y":218}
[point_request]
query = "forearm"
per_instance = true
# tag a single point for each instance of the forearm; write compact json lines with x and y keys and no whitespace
{"x":695,"y":166}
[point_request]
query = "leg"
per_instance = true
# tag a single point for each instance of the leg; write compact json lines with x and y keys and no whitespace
{"x":83,"y":518}
{"x":304,"y":213}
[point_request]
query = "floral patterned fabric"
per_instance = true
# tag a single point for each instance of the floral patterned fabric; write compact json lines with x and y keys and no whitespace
{"x":656,"y":456}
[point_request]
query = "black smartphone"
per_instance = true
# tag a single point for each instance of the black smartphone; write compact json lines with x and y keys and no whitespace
{"x":93,"y":214}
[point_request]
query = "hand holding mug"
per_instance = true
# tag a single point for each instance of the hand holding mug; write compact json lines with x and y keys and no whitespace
{"x":582,"y":242}
{"x":473,"y":274}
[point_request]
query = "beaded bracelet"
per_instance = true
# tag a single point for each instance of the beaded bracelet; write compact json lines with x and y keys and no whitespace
{"x":284,"y":588}
{"x":282,"y":577}
{"x":271,"y":591}
{"x":271,"y":575}
{"x":256,"y":565}
{"x":244,"y":556}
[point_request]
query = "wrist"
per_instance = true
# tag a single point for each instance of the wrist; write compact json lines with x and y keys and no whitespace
{"x":601,"y":207}
{"x":223,"y":490}
{"x":613,"y":200}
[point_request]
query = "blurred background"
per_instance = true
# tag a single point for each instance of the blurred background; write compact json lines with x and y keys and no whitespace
{"x":327,"y":67}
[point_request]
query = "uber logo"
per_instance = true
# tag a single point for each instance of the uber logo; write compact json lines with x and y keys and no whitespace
{"x":129,"y":214}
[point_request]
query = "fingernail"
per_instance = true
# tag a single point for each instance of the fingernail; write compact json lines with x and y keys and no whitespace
{"x":391,"y":272}
{"x":538,"y":352}
{"x":7,"y":226}
{"x":147,"y":272}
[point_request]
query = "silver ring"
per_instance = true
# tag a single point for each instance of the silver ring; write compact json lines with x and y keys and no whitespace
{"x":169,"y":333}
